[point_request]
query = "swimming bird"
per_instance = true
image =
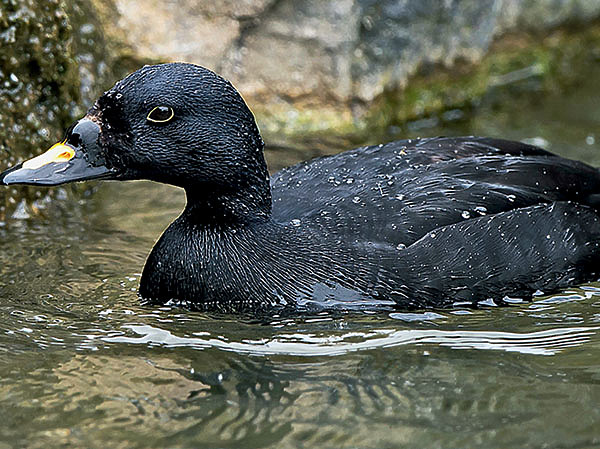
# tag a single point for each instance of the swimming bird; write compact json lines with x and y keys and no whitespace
{"x":431,"y":222}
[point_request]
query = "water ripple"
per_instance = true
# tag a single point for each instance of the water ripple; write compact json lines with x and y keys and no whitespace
{"x":545,"y":342}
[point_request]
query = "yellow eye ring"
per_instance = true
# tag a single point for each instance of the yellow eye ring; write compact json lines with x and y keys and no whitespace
{"x":160,"y":114}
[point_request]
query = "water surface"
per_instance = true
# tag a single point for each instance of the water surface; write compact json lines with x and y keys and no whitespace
{"x":83,"y":364}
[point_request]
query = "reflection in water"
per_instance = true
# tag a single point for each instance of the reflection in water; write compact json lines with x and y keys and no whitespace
{"x":546,"y":342}
{"x":108,"y":372}
{"x":168,"y":393}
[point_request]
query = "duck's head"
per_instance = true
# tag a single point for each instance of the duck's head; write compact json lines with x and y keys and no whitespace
{"x":174,"y":123}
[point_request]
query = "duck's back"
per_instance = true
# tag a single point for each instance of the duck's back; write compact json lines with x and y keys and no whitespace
{"x":394,"y":194}
{"x":450,"y":219}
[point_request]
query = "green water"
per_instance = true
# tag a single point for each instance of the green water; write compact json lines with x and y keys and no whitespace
{"x":83,"y":364}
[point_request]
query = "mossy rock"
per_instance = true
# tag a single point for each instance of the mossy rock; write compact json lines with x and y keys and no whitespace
{"x":52,"y":64}
{"x":518,"y":64}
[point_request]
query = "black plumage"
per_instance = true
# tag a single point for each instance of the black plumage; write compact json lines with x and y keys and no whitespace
{"x":416,"y":223}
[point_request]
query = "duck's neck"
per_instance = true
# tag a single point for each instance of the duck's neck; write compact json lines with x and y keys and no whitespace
{"x":214,"y":253}
{"x":226,"y":207}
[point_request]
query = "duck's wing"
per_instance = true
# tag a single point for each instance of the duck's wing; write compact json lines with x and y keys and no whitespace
{"x":395,"y":194}
{"x":391,"y":158}
{"x":300,"y":190}
{"x":514,"y":253}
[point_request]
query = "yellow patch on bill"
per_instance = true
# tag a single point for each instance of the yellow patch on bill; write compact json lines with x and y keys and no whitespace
{"x":59,"y":152}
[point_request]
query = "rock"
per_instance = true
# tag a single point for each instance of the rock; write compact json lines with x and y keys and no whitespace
{"x":397,"y":37}
{"x":42,"y":83}
{"x":310,"y":45}
{"x":178,"y":30}
{"x":39,"y":84}
{"x":311,"y":62}
{"x":303,"y":65}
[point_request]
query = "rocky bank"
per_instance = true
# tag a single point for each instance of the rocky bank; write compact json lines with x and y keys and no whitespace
{"x":312,"y":65}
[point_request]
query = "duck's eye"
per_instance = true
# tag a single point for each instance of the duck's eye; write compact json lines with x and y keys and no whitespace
{"x":160,"y":114}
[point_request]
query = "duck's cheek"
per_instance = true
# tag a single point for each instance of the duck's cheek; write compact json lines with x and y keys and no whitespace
{"x":78,"y":158}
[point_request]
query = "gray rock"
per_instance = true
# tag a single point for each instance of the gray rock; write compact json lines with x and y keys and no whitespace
{"x":297,"y":50}
{"x":396,"y":37}
{"x":300,"y":54}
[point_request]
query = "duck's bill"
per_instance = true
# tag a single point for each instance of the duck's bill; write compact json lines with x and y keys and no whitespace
{"x":76,"y":159}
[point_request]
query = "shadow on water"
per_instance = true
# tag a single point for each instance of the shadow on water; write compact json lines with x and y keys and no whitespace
{"x":82,"y":363}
